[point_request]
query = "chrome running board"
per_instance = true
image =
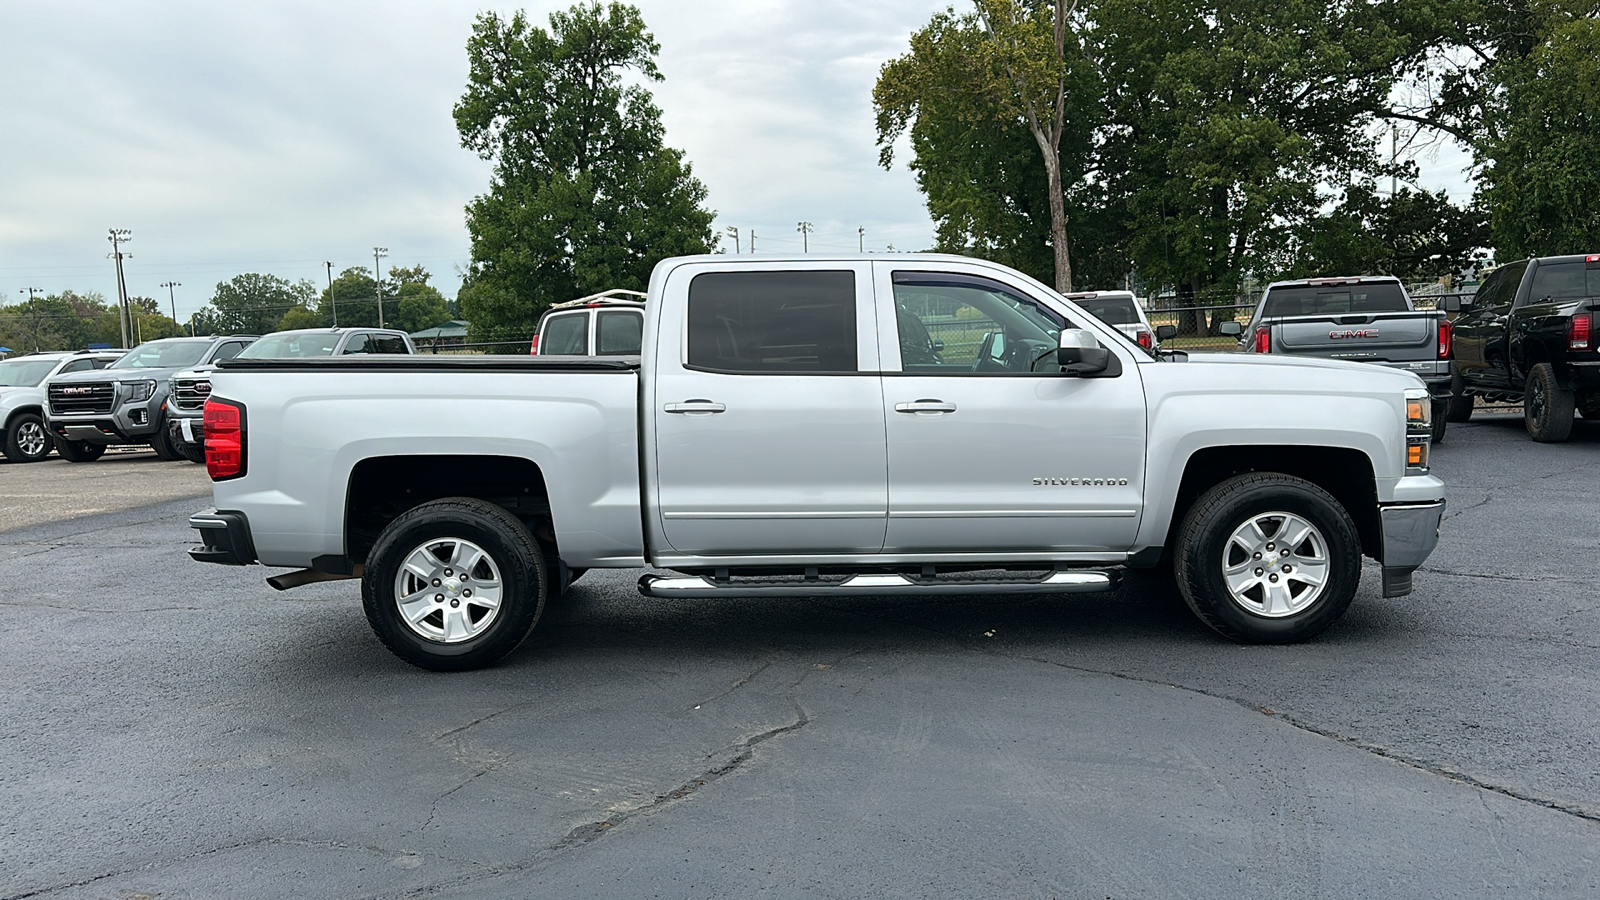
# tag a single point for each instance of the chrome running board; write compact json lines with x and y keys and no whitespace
{"x":1077,"y":581}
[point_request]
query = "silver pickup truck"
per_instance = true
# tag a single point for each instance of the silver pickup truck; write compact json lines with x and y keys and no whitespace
{"x":1366,"y":319}
{"x":822,"y":427}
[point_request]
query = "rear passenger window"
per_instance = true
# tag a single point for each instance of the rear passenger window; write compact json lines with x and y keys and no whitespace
{"x":566,"y":335}
{"x":358,"y":344}
{"x":773,"y":322}
{"x":229,"y":351}
{"x":619,"y":334}
{"x":388,"y":344}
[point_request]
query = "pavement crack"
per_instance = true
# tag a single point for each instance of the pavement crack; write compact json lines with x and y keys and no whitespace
{"x":1487,"y":499}
{"x":92,"y":609}
{"x":129,"y":870}
{"x":480,"y":720}
{"x":1495,"y":576}
{"x":735,"y":686}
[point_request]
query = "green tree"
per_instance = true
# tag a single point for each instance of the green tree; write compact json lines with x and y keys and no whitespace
{"x":585,"y":195}
{"x":252,"y":304}
{"x":62,"y":321}
{"x":149,"y":322}
{"x":1415,"y":236}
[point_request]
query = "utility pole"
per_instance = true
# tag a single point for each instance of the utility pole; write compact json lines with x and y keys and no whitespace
{"x":332,"y":303}
{"x":861,"y":239}
{"x":1394,"y":157}
{"x":377,"y":277}
{"x":805,"y":236}
{"x":169,"y":285}
{"x":33,"y":308}
{"x":752,"y":240}
{"x":118,"y":237}
{"x":734,"y":233}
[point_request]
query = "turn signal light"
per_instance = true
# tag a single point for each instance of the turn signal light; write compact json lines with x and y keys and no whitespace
{"x":1264,"y":339}
{"x":534,"y":349}
{"x":1417,"y":453}
{"x":225,"y":439}
{"x":1447,"y":333}
{"x":1579,"y":332}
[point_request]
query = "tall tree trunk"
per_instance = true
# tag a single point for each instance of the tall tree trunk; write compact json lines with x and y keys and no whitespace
{"x":1058,"y":210}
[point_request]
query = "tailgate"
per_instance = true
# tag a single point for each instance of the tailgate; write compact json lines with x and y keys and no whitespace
{"x":1373,"y":337}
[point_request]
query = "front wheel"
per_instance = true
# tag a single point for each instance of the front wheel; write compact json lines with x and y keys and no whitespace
{"x":27,"y":440}
{"x":1441,"y":415}
{"x":454,"y":584}
{"x":80,"y":451}
{"x":1547,"y":407}
{"x":162,"y":444}
{"x":1265,"y":558}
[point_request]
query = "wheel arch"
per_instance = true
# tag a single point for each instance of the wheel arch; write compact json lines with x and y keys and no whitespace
{"x":23,"y":410}
{"x":1345,"y":473}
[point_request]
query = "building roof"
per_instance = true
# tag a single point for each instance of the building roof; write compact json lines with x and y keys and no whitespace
{"x":455,"y":328}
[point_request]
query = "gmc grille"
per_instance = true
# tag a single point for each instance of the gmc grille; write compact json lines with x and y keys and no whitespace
{"x":81,"y":399}
{"x":190,"y":394}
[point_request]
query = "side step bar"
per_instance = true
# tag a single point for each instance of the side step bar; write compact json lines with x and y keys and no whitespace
{"x":1078,"y":581}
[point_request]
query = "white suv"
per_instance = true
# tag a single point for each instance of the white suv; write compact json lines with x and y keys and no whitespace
{"x":22,"y":431}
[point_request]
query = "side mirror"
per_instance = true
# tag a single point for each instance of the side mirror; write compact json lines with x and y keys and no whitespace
{"x":1078,"y":353}
{"x":1166,"y":332}
{"x":1231,"y":328}
{"x":938,"y":346}
{"x":1454,"y":304}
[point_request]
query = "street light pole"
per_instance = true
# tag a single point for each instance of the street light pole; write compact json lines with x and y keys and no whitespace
{"x":377,"y":277}
{"x":752,"y":240}
{"x":169,"y":285}
{"x":805,"y":236}
{"x":861,"y":239}
{"x":33,"y":308}
{"x":734,"y":233}
{"x":332,"y":303}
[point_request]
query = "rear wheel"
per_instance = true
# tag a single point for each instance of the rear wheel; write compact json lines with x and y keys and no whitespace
{"x":79,"y":451}
{"x":27,"y":440}
{"x":1547,"y":407}
{"x":1268,"y":559}
{"x":1460,"y":407}
{"x":454,"y":584}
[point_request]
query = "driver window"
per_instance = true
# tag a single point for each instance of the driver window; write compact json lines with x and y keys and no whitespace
{"x":957,"y":324}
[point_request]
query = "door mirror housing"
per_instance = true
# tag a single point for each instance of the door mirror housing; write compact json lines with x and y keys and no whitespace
{"x":1231,"y":328}
{"x":1166,"y":332}
{"x":1078,"y":353}
{"x":1456,"y":303}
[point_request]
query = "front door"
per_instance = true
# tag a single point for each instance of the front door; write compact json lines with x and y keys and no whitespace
{"x":991,"y":448}
{"x":768,"y":412}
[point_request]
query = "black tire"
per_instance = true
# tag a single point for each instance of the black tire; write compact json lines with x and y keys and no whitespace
{"x":79,"y":451}
{"x":1460,"y":408}
{"x":1441,"y":415}
{"x":27,"y":440}
{"x":513,"y":550}
{"x":1547,"y":407}
{"x":161,"y":443}
{"x":194,"y":453}
{"x":1206,"y":536}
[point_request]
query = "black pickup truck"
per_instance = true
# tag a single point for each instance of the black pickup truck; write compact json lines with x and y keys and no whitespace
{"x":1527,"y":337}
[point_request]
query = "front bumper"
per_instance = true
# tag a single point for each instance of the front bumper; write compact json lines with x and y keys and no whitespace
{"x":1410,"y":532}
{"x":186,"y":430}
{"x":131,"y":422}
{"x":224,"y":536}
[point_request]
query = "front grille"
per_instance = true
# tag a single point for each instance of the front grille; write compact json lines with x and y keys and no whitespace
{"x":82,"y":399}
{"x":189,"y":394}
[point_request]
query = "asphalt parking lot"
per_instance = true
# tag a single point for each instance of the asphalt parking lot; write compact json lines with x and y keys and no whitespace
{"x":178,"y":730}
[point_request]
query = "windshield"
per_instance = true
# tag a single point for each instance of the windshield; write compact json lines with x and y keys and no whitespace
{"x":1334,"y":299}
{"x":293,"y":346}
{"x":25,"y":372}
{"x":1112,"y":310}
{"x":163,"y":355}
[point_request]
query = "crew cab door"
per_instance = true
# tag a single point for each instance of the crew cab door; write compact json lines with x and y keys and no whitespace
{"x":1481,"y":350}
{"x":767,"y":409}
{"x":986,"y":454}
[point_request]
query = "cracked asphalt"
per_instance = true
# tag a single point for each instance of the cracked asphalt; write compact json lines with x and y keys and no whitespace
{"x":178,"y":730}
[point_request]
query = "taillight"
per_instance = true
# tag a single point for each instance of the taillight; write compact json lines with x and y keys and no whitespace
{"x":225,"y":441}
{"x":1578,"y":331}
{"x":1264,"y":339}
{"x":1144,"y":339}
{"x":1447,"y":336}
{"x":533,"y":350}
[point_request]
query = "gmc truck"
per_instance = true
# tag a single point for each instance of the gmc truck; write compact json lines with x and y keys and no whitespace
{"x":793,"y":429}
{"x":1362,"y":319}
{"x":1527,"y":336}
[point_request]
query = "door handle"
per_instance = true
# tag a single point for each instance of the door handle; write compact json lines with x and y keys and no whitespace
{"x":695,"y":408}
{"x":925,"y":407}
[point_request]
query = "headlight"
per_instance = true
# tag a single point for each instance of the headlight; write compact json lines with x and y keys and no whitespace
{"x":140,"y":391}
{"x":1419,"y":430}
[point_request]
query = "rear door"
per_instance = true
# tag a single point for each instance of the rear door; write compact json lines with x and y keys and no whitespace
{"x":1481,"y":331}
{"x":991,"y":448}
{"x":768,"y":411}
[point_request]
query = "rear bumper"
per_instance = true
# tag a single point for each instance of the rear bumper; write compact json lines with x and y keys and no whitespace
{"x":1410,"y":532}
{"x":224,"y":537}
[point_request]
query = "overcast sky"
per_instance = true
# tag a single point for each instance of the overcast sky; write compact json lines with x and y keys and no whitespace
{"x":251,"y":136}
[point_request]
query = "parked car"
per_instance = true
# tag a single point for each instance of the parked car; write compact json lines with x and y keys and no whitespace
{"x":126,"y":402}
{"x":22,"y":430}
{"x":191,"y":387}
{"x":606,"y":324}
{"x":1121,"y":310}
{"x":1366,"y":319}
{"x":783,"y":435}
{"x":1528,"y":336}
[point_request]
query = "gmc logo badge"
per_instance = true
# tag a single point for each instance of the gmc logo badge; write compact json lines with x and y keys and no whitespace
{"x":1352,"y":335}
{"x":75,"y":391}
